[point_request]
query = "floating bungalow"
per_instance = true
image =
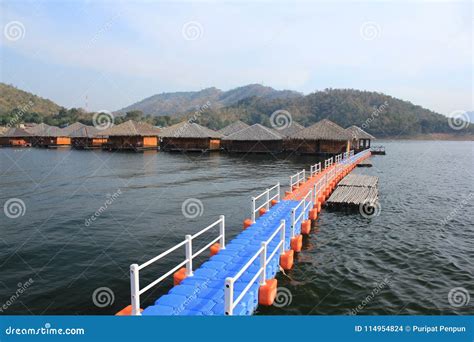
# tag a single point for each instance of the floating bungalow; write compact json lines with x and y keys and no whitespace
{"x":233,"y":128}
{"x":84,"y":137}
{"x":48,"y":136}
{"x":323,"y":138}
{"x":187,"y":136}
{"x":254,"y":139}
{"x":293,"y":128}
{"x":15,"y":137}
{"x":360,"y":138}
{"x":130,"y":135}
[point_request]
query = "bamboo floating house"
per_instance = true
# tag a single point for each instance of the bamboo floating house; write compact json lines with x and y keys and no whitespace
{"x":187,"y":136}
{"x":130,"y":136}
{"x":15,"y":137}
{"x":233,"y":128}
{"x":254,"y":139}
{"x":84,"y":137}
{"x":48,"y":136}
{"x":360,"y":139}
{"x":323,"y":138}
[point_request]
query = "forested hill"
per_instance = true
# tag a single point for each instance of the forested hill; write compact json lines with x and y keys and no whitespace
{"x":12,"y":98}
{"x":377,"y":113}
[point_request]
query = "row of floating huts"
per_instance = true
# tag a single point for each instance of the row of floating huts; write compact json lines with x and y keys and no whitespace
{"x":324,"y":137}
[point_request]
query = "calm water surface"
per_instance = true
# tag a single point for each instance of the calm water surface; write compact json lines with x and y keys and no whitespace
{"x":404,"y":261}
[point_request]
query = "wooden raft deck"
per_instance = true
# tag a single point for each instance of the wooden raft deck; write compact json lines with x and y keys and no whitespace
{"x":354,"y":190}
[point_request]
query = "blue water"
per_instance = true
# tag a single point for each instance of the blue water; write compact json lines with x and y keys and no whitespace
{"x":404,"y":261}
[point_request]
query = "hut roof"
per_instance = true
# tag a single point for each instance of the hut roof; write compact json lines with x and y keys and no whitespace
{"x":293,"y":128}
{"x":358,"y":133}
{"x":3,"y":129}
{"x":233,"y":127}
{"x":16,"y":132}
{"x":73,"y":127}
{"x":255,"y":132}
{"x":85,"y":132}
{"x":44,"y":130}
{"x":322,"y":130}
{"x":187,"y":129}
{"x":130,"y":128}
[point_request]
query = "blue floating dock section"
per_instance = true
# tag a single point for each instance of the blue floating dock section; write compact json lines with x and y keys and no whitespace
{"x":203,"y":292}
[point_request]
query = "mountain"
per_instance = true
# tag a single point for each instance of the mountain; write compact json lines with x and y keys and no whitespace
{"x":12,"y":98}
{"x":183,"y":102}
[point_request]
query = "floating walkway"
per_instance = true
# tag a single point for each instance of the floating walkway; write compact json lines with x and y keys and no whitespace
{"x":240,"y":275}
{"x":355,"y":190}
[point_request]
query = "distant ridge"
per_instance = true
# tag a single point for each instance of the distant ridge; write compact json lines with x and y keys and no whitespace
{"x":12,"y":98}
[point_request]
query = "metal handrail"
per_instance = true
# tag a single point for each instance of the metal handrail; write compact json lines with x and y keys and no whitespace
{"x":268,"y":199}
{"x":188,"y":261}
{"x":229,"y":302}
{"x":299,"y":177}
{"x":295,"y":219}
{"x":315,"y":169}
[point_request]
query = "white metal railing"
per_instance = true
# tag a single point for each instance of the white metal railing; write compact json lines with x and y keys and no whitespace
{"x":297,"y":178}
{"x":229,"y":302}
{"x":305,"y":204}
{"x":136,"y":292}
{"x":268,"y":198}
{"x":315,"y":169}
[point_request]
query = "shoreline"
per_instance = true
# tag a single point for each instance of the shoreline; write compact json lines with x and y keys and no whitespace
{"x":432,"y":137}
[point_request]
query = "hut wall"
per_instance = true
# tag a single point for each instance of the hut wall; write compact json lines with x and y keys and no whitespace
{"x":185,"y":144}
{"x":62,"y":141}
{"x":150,"y":141}
{"x":6,"y":141}
{"x":267,"y":146}
{"x":215,"y":144}
{"x":87,"y":142}
{"x":317,"y":146}
{"x":130,"y":143}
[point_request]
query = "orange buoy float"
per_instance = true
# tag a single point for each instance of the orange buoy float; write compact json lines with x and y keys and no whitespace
{"x":306,"y":227}
{"x":262,"y":211}
{"x":287,"y":259}
{"x":179,"y":276}
{"x":247,"y":223}
{"x":126,"y":311}
{"x":296,"y":243}
{"x":274,"y":201}
{"x":317,"y":206}
{"x":288,"y":193}
{"x":215,"y":248}
{"x":267,"y":292}
{"x":313,"y":214}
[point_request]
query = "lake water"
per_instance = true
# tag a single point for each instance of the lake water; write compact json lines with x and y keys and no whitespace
{"x":416,"y":257}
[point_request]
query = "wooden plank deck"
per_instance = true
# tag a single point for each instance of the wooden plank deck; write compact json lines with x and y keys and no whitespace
{"x":354,"y":190}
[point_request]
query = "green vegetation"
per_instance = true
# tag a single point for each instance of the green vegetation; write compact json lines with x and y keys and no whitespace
{"x":12,"y":98}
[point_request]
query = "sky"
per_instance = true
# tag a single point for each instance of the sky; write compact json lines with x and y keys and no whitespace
{"x":105,"y":55}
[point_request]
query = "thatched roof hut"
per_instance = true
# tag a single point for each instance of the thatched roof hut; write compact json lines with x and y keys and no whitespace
{"x":72,"y":127}
{"x":86,"y":137}
{"x":254,"y":139}
{"x":131,"y":135}
{"x":233,"y":128}
{"x":324,"y":137}
{"x":189,"y":136}
{"x":293,"y":128}
{"x":360,"y":138}
{"x":48,"y":136}
{"x":15,"y":137}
